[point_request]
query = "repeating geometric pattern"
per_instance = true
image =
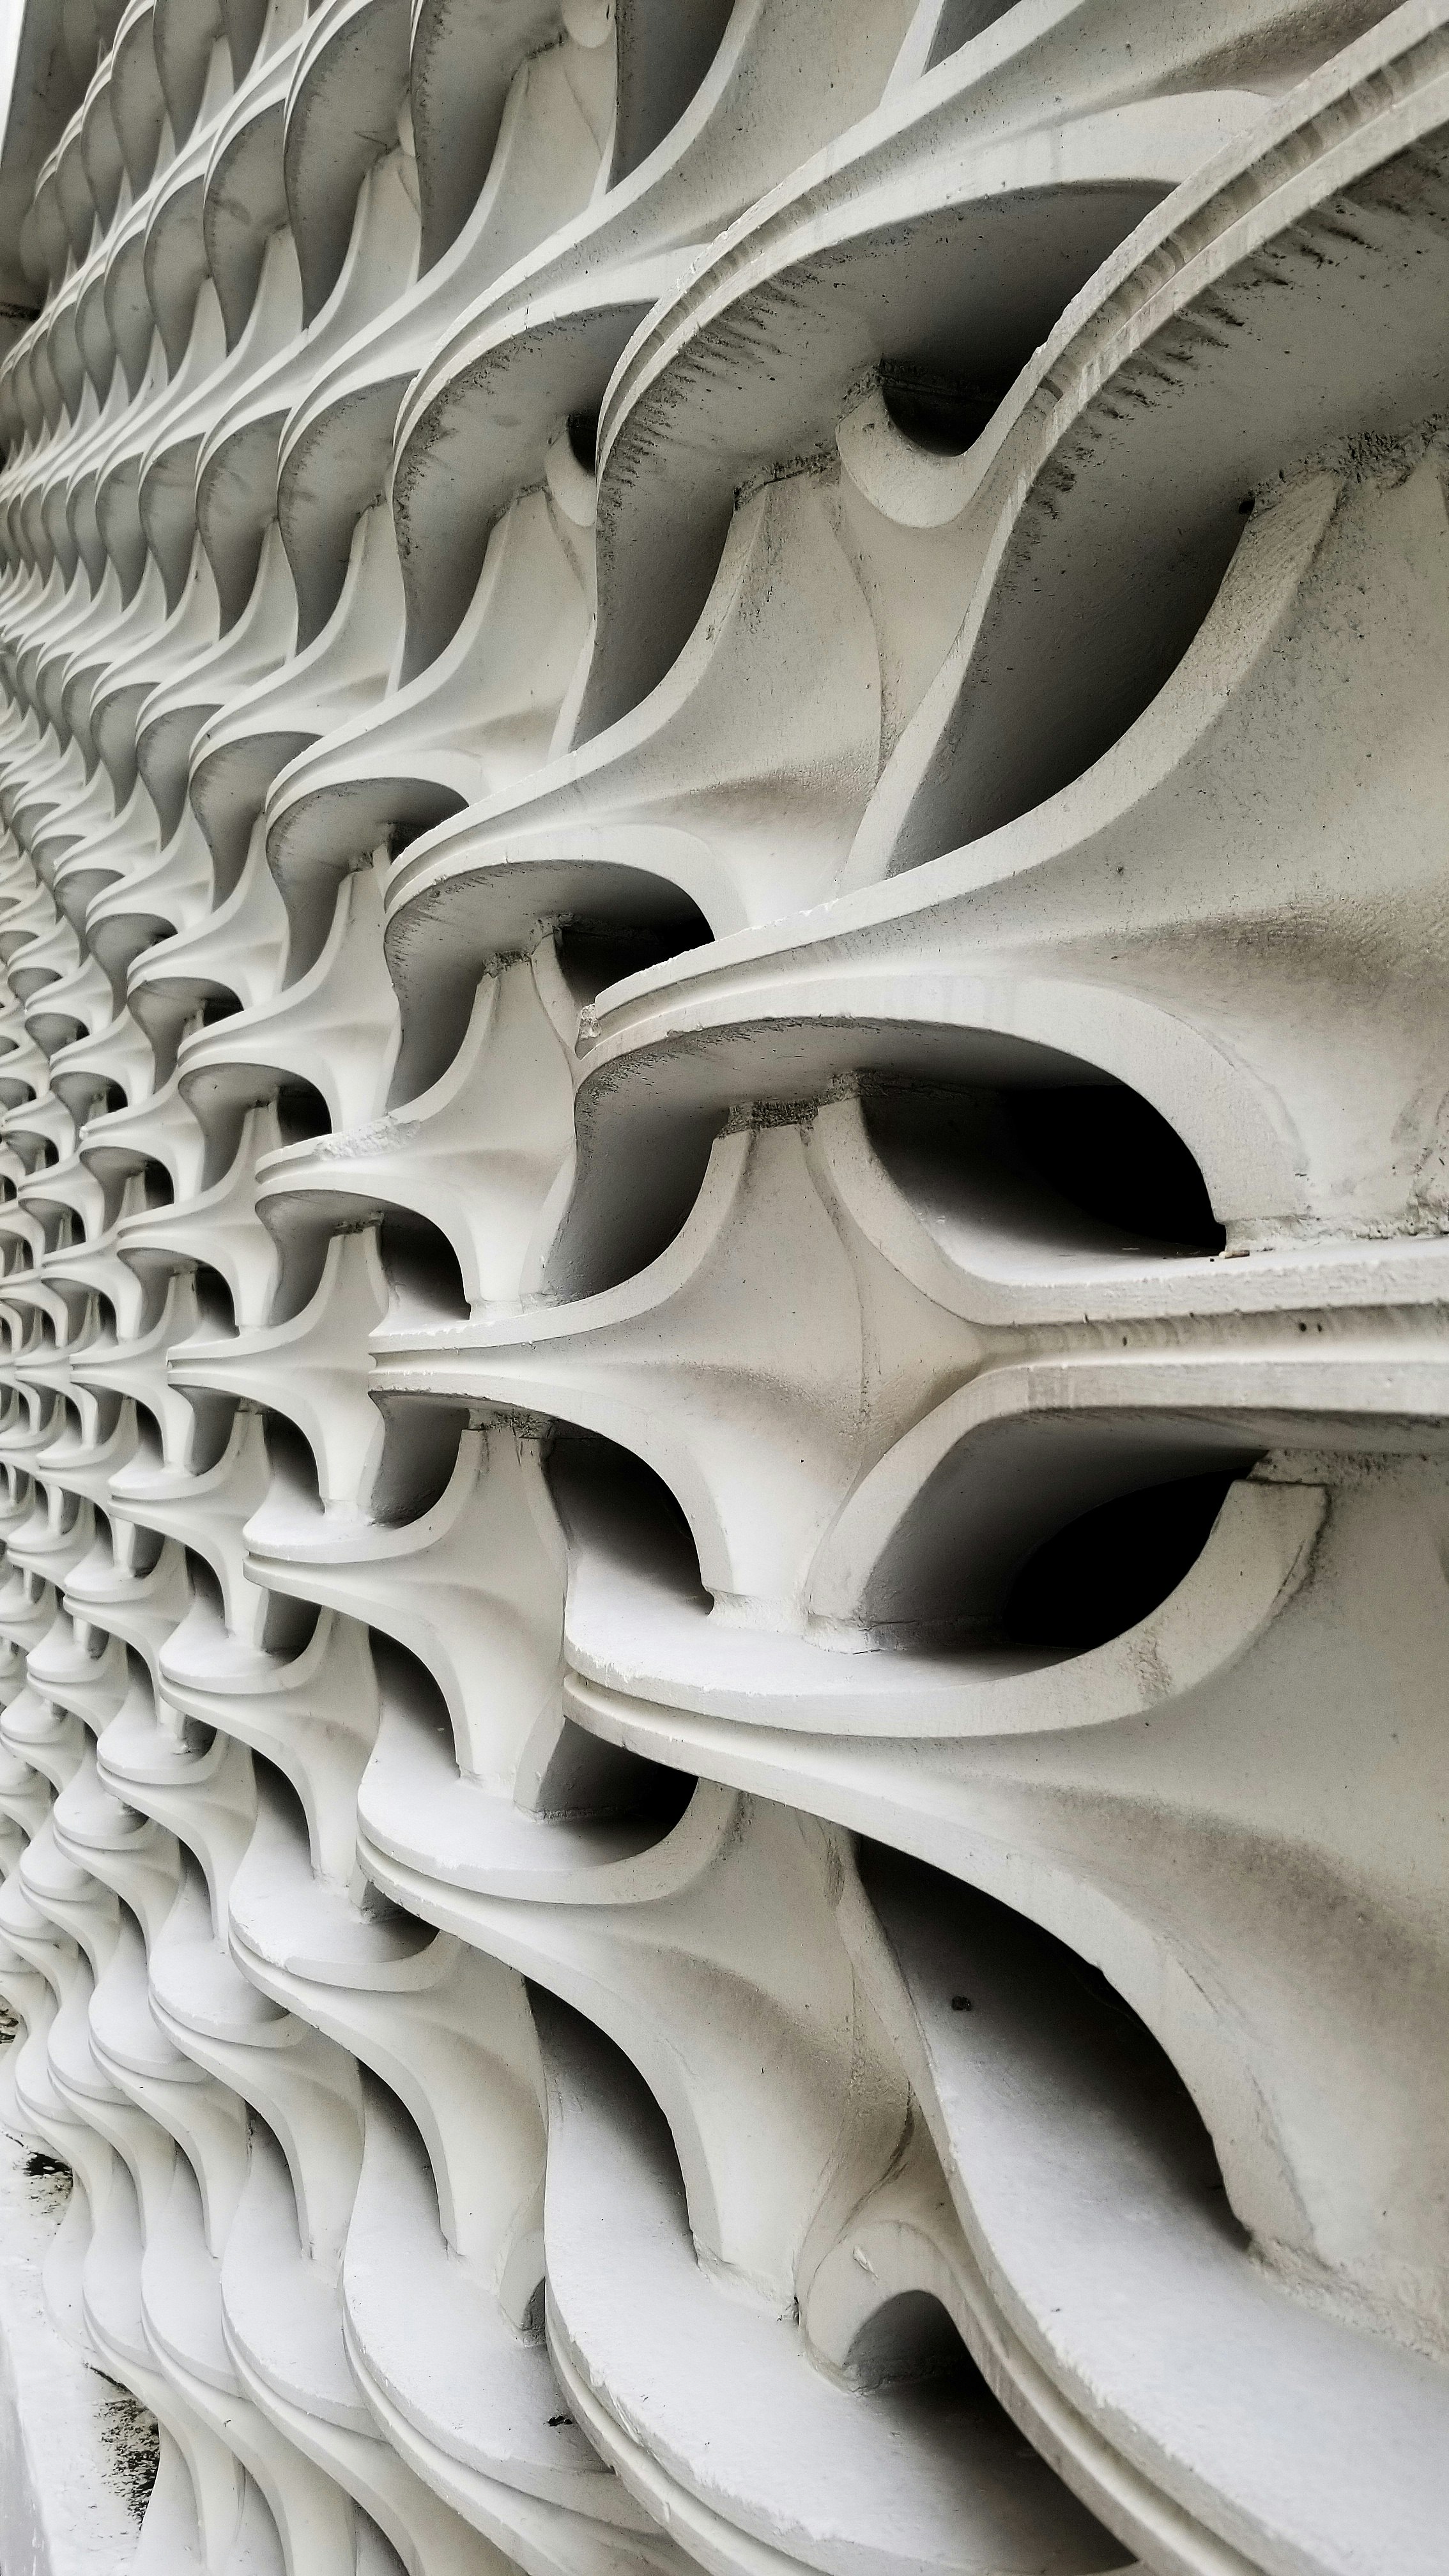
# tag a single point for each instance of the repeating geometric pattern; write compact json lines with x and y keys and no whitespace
{"x":725,"y":1153}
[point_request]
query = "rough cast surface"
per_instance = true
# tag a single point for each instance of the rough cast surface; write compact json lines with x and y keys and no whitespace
{"x":726,"y":1165}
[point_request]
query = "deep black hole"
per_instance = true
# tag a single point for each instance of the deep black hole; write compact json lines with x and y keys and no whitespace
{"x":1101,"y":1574}
{"x":913,"y":2338}
{"x":302,"y":1113}
{"x":584,"y":439}
{"x":587,"y":1778}
{"x":939,"y":413}
{"x":1115,"y":1156}
{"x":593,"y":955}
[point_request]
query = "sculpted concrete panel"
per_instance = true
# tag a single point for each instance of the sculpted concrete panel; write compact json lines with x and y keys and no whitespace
{"x":724,"y":1252}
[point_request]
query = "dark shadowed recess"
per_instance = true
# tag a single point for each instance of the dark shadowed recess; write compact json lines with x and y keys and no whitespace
{"x":960,"y":20}
{"x":1115,"y":1157}
{"x":1001,"y":1175}
{"x":586,"y":1783}
{"x":652,"y":922}
{"x":664,"y":52}
{"x":942,"y":414}
{"x":1109,"y":1569}
{"x":617,"y":1512}
{"x":1088,"y":1166}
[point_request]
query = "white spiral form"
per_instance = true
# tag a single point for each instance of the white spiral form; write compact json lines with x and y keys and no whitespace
{"x":725,"y":1155}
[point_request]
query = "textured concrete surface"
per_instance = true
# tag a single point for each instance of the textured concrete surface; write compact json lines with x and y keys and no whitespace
{"x":724,"y":1263}
{"x":76,"y":2455}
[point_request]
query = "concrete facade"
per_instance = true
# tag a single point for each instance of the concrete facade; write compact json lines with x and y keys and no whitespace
{"x":724,"y":1177}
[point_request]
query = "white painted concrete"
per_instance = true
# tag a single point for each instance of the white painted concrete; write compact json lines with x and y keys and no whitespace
{"x":724,"y":1247}
{"x":73,"y":2469}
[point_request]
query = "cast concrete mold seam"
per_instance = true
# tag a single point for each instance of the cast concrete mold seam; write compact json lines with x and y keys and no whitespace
{"x":724,"y":1258}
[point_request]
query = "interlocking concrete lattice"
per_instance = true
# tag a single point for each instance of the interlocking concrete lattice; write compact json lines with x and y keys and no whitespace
{"x":725,"y":1232}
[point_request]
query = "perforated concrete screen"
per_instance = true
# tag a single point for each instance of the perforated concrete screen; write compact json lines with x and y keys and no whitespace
{"x":724,"y":1141}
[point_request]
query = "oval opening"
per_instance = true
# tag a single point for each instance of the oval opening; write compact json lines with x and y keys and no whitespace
{"x":1001,"y":1177}
{"x":1114,"y":1156}
{"x":910,"y":2338}
{"x":942,"y":414}
{"x":1108,"y":1570}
